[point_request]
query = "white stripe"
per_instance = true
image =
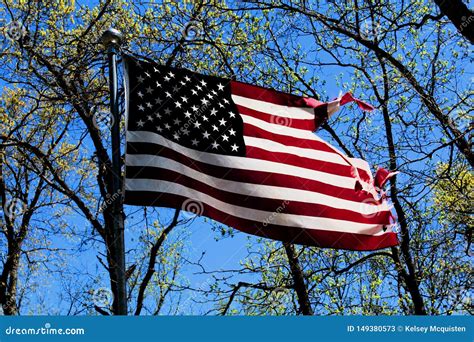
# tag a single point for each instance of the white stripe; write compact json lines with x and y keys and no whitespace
{"x":285,"y":130}
{"x":280,"y":129}
{"x":243,"y":163}
{"x":317,"y":155}
{"x":274,"y":109}
{"x":282,"y":219}
{"x":255,"y":190}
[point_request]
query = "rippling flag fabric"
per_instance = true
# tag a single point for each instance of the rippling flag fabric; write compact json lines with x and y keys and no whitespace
{"x":247,"y":157}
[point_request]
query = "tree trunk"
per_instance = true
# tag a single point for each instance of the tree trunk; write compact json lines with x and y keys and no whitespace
{"x":460,"y":16}
{"x":298,"y":280}
{"x":8,"y":281}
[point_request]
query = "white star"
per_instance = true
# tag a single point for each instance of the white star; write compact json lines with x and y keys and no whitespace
{"x":140,"y":79}
{"x":158,"y":100}
{"x":206,"y":135}
{"x":187,"y":78}
{"x":225,"y":100}
{"x":156,"y":70}
{"x":220,"y":86}
{"x":140,"y":107}
{"x":187,"y":114}
{"x":222,"y":122}
{"x":159,"y":129}
{"x":175,"y":89}
{"x":199,"y":87}
{"x":231,"y":132}
{"x":149,"y":90}
{"x":185,"y":131}
{"x":177,"y":121}
{"x":221,"y":105}
{"x":167,"y":126}
{"x":167,"y":111}
{"x":194,"y":108}
{"x":167,"y":94}
{"x":147,"y":74}
{"x":178,"y":104}
{"x":185,"y":99}
{"x":203,"y":83}
{"x":214,"y":128}
{"x":158,"y":84}
{"x":194,"y":142}
{"x":205,"y":118}
{"x":194,"y":92}
{"x":167,"y":78}
{"x":232,"y":115}
{"x":149,"y":118}
{"x":171,"y":74}
{"x":215,"y":145}
{"x":214,"y":92}
{"x":209,"y":96}
{"x":225,"y":138}
{"x":140,"y":94}
{"x":149,"y":105}
{"x":213,"y":111}
{"x":197,"y":124}
{"x":235,"y":147}
{"x":182,"y":83}
{"x":140,"y":123}
{"x":204,"y":101}
{"x":176,"y":136}
{"x":158,"y":115}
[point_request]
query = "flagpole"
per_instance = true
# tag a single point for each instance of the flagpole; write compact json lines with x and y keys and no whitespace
{"x":112,"y":39}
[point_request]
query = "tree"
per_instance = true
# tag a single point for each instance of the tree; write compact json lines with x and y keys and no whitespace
{"x":54,"y":142}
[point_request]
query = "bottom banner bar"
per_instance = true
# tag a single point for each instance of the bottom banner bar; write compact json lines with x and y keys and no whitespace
{"x":240,"y":328}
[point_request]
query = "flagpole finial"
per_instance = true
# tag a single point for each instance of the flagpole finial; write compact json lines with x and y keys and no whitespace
{"x":111,"y":37}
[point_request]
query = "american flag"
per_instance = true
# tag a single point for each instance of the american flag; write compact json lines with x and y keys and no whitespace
{"x":247,"y":157}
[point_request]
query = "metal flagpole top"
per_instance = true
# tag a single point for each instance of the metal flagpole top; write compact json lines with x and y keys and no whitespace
{"x":111,"y":37}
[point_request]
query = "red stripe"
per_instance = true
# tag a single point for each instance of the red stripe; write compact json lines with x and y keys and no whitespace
{"x":253,"y":131}
{"x":271,"y":95}
{"x":256,"y":202}
{"x":250,"y":176}
{"x":311,"y":237}
{"x":308,"y":163}
{"x":307,"y":124}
